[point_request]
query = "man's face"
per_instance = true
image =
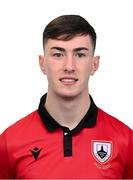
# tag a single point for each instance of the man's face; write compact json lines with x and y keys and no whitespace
{"x":68,"y":65}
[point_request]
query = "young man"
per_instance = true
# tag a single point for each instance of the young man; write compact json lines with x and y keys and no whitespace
{"x":68,"y":137}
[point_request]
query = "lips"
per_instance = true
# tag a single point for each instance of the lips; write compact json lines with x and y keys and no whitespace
{"x":68,"y":80}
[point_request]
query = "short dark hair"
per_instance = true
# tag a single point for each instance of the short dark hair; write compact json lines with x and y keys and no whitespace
{"x":68,"y":26}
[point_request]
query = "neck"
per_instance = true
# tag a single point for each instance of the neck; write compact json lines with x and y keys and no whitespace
{"x":58,"y":107}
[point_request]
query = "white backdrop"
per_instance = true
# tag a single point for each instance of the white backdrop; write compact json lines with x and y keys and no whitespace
{"x":21,"y":81}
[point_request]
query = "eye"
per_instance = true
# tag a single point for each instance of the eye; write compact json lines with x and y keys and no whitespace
{"x":81,"y":55}
{"x":57,"y":54}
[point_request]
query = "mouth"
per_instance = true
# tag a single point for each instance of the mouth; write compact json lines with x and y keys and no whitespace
{"x":68,"y":80}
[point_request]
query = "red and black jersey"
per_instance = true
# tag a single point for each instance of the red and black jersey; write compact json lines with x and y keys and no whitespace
{"x":37,"y":147}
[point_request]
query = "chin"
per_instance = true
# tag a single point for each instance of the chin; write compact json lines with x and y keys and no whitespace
{"x":68,"y":94}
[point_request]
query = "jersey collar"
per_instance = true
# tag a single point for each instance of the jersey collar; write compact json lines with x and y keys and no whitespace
{"x":88,"y":121}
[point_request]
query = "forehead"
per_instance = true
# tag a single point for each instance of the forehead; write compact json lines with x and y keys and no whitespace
{"x":78,"y":41}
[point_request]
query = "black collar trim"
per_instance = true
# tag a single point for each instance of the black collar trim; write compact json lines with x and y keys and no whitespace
{"x":88,"y":121}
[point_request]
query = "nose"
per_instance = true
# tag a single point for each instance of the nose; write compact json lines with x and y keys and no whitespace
{"x":69,"y":65}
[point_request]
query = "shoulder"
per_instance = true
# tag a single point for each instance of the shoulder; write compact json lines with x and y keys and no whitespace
{"x":112,"y":123}
{"x":22,"y":126}
{"x":15,"y":139}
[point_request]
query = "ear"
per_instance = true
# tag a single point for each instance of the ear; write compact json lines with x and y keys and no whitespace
{"x":95,"y":64}
{"x":42,"y":64}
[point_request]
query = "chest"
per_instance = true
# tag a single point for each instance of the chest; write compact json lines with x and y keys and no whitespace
{"x":59,"y":155}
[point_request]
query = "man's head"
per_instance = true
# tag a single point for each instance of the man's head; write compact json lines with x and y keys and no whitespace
{"x":67,"y":27}
{"x":69,"y":42}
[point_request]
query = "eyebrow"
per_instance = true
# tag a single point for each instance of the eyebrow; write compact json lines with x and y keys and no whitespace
{"x":75,"y":50}
{"x":81,"y":48}
{"x":58,"y":48}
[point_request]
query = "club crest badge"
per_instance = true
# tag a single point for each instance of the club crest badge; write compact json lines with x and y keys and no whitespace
{"x":102,"y":150}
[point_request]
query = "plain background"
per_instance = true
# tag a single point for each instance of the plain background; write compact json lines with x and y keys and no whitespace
{"x":21,"y":81}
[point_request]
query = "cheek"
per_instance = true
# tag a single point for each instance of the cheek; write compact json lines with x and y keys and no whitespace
{"x":85,"y":68}
{"x":86,"y":72}
{"x":52,"y":73}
